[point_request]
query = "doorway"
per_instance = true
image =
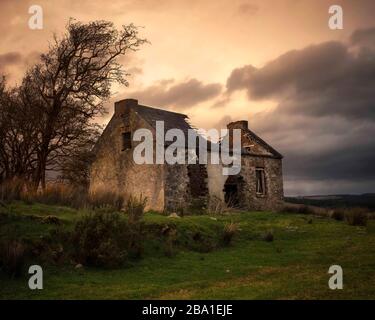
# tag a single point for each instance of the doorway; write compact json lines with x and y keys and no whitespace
{"x":233,"y":191}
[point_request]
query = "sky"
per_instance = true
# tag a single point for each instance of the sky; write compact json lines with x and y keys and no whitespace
{"x":306,"y":89}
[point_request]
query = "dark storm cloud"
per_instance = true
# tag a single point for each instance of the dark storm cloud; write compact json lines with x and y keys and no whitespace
{"x":320,"y":80}
{"x":9,"y":58}
{"x":363,"y":37}
{"x":177,"y":95}
{"x":329,"y":151}
{"x":321,"y":63}
{"x":325,"y":120}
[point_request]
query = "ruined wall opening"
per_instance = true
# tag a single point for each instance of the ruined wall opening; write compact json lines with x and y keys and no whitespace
{"x":233,"y":191}
{"x":126,"y":141}
{"x":197,"y":174}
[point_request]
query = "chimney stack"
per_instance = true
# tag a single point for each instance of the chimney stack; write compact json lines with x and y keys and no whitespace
{"x":242,"y":124}
{"x":122,"y":105}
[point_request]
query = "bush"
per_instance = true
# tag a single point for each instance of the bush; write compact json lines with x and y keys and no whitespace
{"x":230,"y":230}
{"x":356,"y":217}
{"x":135,"y":208}
{"x":101,"y":239}
{"x":268,"y":236}
{"x":338,"y":215}
{"x":12,"y":258}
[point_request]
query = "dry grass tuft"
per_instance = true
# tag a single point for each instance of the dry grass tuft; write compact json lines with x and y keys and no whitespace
{"x":230,"y":230}
{"x":216,"y":206}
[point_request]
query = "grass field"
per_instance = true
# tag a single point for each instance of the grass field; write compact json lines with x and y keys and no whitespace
{"x":293,"y":266}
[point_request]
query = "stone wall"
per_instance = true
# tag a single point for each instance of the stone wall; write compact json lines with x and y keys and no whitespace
{"x":216,"y":180}
{"x":176,"y":187}
{"x":273,"y":197}
{"x":114,"y":169}
{"x":271,"y":200}
{"x":173,"y":187}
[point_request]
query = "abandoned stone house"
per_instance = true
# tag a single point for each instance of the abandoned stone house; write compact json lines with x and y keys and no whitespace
{"x":258,"y":186}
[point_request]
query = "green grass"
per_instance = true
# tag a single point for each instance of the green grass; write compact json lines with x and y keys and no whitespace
{"x":293,"y":266}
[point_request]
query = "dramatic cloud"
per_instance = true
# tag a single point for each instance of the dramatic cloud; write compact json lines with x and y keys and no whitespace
{"x":248,"y":9}
{"x":320,"y":80}
{"x":325,"y":119}
{"x":363,"y":37}
{"x":323,"y":92}
{"x":177,"y":95}
{"x":13,"y":64}
{"x":222,"y":123}
{"x":9,"y":58}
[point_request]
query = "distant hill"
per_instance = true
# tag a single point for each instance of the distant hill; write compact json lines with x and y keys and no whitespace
{"x":341,"y":200}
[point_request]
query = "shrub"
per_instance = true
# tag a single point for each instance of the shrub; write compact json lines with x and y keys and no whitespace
{"x":101,"y":239}
{"x":268,"y":236}
{"x":135,"y":208}
{"x":136,"y":246}
{"x":338,"y":215}
{"x":356,"y":217}
{"x":230,"y":229}
{"x":12,"y":257}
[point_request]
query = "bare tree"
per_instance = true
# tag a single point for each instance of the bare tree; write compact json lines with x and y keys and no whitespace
{"x":18,"y":134}
{"x":4,"y":107}
{"x":74,"y":166}
{"x":72,"y":81}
